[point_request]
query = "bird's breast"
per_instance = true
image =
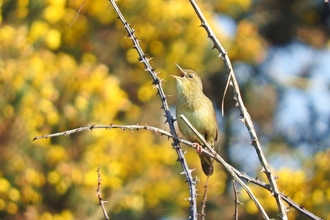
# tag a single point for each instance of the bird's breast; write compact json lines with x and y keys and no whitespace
{"x":200,"y":113}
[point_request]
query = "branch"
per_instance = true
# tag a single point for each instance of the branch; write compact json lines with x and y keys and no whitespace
{"x":291,"y":203}
{"x":98,"y":191}
{"x":110,"y":126}
{"x":237,"y":202}
{"x":217,"y":157}
{"x":169,"y":118}
{"x":246,"y":119}
{"x":206,"y":187}
{"x":188,"y":143}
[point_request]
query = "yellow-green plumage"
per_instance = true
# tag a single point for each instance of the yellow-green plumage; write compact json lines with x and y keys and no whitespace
{"x":199,"y":110}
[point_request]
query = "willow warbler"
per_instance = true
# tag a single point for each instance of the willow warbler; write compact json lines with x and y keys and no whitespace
{"x":198,"y":109}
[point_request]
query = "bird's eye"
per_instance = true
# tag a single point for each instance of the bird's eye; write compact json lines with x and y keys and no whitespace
{"x":191,"y":75}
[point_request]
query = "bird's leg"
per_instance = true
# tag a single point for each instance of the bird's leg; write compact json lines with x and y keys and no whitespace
{"x":199,"y":148}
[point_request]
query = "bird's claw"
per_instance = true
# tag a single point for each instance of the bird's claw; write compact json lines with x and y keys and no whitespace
{"x":199,"y":148}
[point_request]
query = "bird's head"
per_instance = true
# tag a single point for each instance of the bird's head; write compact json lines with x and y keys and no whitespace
{"x":188,"y":81}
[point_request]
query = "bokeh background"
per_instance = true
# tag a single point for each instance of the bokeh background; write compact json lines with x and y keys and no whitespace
{"x":60,"y":70}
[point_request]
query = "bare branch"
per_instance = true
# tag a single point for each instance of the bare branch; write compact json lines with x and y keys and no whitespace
{"x":214,"y":154}
{"x":206,"y":186}
{"x":291,"y":203}
{"x":93,"y":127}
{"x":98,"y":191}
{"x":238,"y":173}
{"x":246,"y":119}
{"x":169,"y":118}
{"x":237,"y":202}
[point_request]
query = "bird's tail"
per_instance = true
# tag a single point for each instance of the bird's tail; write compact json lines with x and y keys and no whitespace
{"x":207,"y":164}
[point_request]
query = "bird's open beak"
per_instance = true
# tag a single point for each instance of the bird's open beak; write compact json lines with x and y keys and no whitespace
{"x":182,"y":71}
{"x":179,"y":78}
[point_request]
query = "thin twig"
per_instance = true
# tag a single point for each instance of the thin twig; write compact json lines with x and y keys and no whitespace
{"x":206,"y":186}
{"x":98,"y":191}
{"x":237,"y":202}
{"x":75,"y":17}
{"x":246,"y":119}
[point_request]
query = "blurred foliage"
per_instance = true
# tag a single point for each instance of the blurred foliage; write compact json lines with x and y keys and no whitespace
{"x":60,"y":70}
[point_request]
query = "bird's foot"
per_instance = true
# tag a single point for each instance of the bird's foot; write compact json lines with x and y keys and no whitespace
{"x":199,"y":148}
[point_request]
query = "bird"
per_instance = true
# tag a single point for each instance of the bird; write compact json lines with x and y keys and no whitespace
{"x":199,"y":110}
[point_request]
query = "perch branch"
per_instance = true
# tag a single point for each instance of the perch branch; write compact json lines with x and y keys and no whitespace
{"x":227,"y":166}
